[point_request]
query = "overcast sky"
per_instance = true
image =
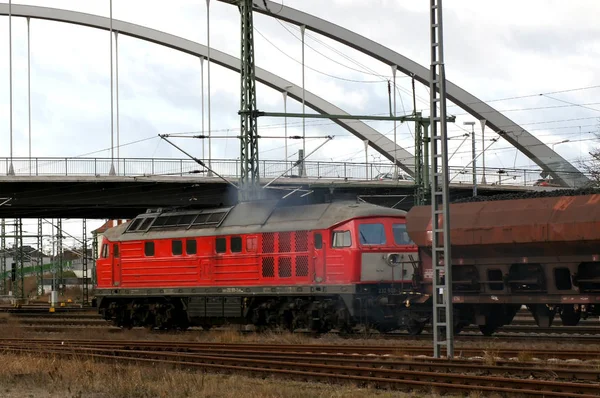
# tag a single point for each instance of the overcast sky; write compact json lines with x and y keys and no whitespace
{"x":494,"y":50}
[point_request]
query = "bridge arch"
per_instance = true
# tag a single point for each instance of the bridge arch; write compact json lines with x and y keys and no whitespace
{"x":560,"y":169}
{"x":377,"y":141}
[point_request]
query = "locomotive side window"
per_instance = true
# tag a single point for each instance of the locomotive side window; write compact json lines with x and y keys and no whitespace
{"x":149,"y":248}
{"x":115,"y":250}
{"x":104,"y":253}
{"x":400,"y":235}
{"x":371,"y":234}
{"x":190,"y":246}
{"x":318,"y":241}
{"x":341,"y":239}
{"x":236,"y":244}
{"x":221,"y":245}
{"x":177,"y":247}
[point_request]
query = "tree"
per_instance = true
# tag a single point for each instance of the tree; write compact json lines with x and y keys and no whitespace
{"x":592,"y":165}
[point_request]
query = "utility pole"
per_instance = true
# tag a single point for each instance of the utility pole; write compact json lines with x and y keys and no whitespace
{"x":483,"y":121}
{"x":474,"y":162}
{"x":441,"y":257}
{"x":18,"y":277}
{"x":40,"y":258}
{"x":60,"y":257}
{"x":85,"y":294}
{"x":421,"y":167}
{"x":249,"y":173}
{"x":3,"y":258}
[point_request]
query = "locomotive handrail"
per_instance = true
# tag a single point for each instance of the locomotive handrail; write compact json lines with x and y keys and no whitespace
{"x":313,"y":169}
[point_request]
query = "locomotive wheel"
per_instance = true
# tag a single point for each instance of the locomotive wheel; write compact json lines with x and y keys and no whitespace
{"x":488,"y":329}
{"x":569,"y":316}
{"x":415,"y":328}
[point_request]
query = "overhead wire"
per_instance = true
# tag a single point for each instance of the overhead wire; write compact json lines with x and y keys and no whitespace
{"x":533,"y":95}
{"x":310,"y":67}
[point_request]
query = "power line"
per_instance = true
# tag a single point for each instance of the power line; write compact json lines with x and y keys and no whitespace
{"x":314,"y":69}
{"x":533,"y":95}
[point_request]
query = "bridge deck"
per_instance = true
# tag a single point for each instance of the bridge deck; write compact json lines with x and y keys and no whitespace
{"x":124,"y":197}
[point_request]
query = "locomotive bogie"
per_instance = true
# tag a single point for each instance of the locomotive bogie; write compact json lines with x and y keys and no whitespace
{"x":318,"y":313}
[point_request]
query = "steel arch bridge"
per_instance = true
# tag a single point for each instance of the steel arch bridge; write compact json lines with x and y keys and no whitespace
{"x":559,"y":168}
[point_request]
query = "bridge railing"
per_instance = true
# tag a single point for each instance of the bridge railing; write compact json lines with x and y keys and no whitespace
{"x":80,"y":166}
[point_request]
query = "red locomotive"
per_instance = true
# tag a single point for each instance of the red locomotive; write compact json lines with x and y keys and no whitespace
{"x":318,"y":267}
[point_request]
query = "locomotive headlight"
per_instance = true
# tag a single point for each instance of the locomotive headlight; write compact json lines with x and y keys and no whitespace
{"x":394,"y":259}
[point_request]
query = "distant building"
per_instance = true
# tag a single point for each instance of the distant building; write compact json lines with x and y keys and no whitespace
{"x":99,"y":233}
{"x":31,"y":256}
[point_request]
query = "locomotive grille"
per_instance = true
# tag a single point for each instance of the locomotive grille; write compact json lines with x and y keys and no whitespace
{"x":301,"y":265}
{"x":268,"y":243}
{"x":268,"y":267}
{"x":301,"y":241}
{"x":285,"y":267}
{"x":285,"y":242}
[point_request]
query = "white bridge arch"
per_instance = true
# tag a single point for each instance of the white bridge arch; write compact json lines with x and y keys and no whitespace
{"x":560,"y":169}
{"x":377,"y":141}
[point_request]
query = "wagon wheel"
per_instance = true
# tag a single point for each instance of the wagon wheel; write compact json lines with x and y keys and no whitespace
{"x":459,"y":327}
{"x":488,"y":329}
{"x":415,"y":328}
{"x":569,"y":316}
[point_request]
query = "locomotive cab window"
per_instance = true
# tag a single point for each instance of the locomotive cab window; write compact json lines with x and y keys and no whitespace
{"x":190,"y":246}
{"x":371,"y":234}
{"x":149,"y":249}
{"x":400,"y":235}
{"x":104,"y":253}
{"x":319,"y":241}
{"x":221,"y":245}
{"x":236,"y":244}
{"x":115,"y":250}
{"x":177,"y":247}
{"x":341,"y":239}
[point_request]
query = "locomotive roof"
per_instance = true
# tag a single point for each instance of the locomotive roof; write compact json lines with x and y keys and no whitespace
{"x":245,"y":218}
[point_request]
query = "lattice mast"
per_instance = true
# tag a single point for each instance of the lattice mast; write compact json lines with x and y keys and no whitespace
{"x":249,"y":173}
{"x":443,"y":333}
{"x":59,"y":262}
{"x":3,"y":256}
{"x":18,"y":276}
{"x":39,"y":266}
{"x":85,"y":293}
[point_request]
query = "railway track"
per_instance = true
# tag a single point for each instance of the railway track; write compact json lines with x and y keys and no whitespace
{"x":69,"y":321}
{"x":381,"y":367}
{"x":322,"y":350}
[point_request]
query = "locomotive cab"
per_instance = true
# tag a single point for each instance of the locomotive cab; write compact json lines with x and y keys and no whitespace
{"x":387,"y":253}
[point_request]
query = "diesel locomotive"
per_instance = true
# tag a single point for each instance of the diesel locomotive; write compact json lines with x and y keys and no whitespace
{"x":340,"y":265}
{"x":317,"y":267}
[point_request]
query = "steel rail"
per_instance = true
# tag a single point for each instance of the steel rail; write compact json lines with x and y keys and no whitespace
{"x":320,"y":349}
{"x":390,"y":378}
